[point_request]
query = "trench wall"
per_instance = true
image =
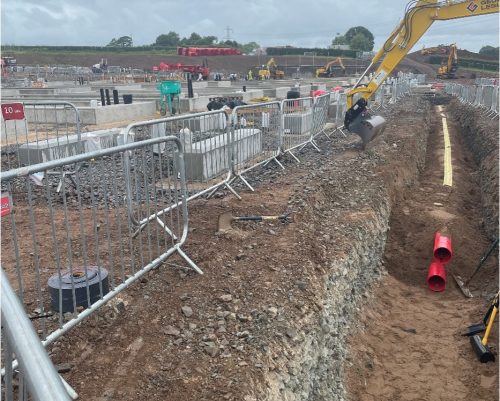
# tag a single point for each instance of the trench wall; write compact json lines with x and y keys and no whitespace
{"x":481,"y":136}
{"x":349,"y":215}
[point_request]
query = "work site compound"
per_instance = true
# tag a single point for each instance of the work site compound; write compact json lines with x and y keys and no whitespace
{"x":217,"y":224}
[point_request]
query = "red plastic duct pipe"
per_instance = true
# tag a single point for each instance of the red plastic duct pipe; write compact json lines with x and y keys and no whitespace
{"x":442,"y":247}
{"x":436,"y":277}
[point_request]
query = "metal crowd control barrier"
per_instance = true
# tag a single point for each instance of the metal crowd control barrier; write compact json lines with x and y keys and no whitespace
{"x":38,"y":132}
{"x":320,"y":116}
{"x":483,"y":96}
{"x":255,"y":133}
{"x":340,"y":101}
{"x":378,"y":99}
{"x":297,"y":123}
{"x":36,"y":377}
{"x":400,"y":87}
{"x":206,"y":141}
{"x":70,"y":253}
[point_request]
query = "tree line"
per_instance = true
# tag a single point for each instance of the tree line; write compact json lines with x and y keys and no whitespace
{"x":172,"y":39}
{"x":358,"y":38}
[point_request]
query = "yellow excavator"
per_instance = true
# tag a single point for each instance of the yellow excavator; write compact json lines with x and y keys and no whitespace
{"x":419,"y":16}
{"x":327,"y":71}
{"x":270,"y":70}
{"x":448,"y":70}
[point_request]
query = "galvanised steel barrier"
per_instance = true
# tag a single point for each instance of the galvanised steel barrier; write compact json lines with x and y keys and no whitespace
{"x":70,"y":253}
{"x":320,"y":116}
{"x":400,"y":88}
{"x":339,"y":101}
{"x":35,"y":377}
{"x":207,"y":147}
{"x":255,"y":134}
{"x":486,"y":81}
{"x":378,"y":99}
{"x":38,"y":132}
{"x":484,"y":96}
{"x":297,"y":124}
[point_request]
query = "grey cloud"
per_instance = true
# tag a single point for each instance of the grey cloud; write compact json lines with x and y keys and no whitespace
{"x":268,"y":22}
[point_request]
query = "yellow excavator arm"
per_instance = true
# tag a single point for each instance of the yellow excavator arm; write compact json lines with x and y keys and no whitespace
{"x":419,"y":16}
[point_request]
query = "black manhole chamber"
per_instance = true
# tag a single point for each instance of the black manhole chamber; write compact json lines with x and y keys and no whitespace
{"x":93,"y":276}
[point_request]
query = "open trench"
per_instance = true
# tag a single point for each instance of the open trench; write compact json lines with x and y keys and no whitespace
{"x":409,"y":345}
{"x":288,"y":312}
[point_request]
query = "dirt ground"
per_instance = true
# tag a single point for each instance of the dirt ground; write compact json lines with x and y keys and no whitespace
{"x":414,"y":62}
{"x":410,"y":346}
{"x":181,"y":336}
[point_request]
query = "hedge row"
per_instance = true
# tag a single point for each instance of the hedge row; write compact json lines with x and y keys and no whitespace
{"x":103,"y":49}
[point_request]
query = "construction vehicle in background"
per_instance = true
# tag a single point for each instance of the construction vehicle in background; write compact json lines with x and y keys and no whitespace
{"x":270,"y":70}
{"x":195,"y":70}
{"x":419,"y":16}
{"x":327,"y":71}
{"x":448,"y":70}
{"x":100,"y":67}
{"x":433,"y":50}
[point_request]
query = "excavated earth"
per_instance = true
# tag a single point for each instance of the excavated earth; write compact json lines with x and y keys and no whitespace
{"x":409,"y":343}
{"x":332,"y":306}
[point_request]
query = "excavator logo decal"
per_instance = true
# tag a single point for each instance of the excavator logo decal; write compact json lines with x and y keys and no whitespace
{"x":472,"y":7}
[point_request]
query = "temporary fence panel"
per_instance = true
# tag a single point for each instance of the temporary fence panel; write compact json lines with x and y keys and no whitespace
{"x":340,"y":110}
{"x":400,"y":88}
{"x":320,"y":116}
{"x":494,"y":101}
{"x":206,"y":141}
{"x":35,"y":377}
{"x":378,"y":99}
{"x":484,"y":96}
{"x":487,"y":97}
{"x":70,"y":252}
{"x":479,"y":96}
{"x":38,"y":132}
{"x":297,"y":123}
{"x":255,"y":134}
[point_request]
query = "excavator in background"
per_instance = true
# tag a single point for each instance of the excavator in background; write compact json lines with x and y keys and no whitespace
{"x":448,"y":70}
{"x":327,"y":71}
{"x":419,"y":16}
{"x":433,"y":50}
{"x":270,"y":70}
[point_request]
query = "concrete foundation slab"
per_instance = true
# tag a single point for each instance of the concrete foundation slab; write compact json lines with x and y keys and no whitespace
{"x":208,"y":159}
{"x":298,"y":123}
{"x":65,"y":146}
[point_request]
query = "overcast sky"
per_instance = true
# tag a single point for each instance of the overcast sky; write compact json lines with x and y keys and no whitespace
{"x":267,"y":22}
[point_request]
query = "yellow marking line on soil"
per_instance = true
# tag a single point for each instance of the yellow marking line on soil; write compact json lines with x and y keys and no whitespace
{"x":448,"y":170}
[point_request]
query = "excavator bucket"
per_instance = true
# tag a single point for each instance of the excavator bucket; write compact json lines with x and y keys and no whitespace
{"x":367,"y":127}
